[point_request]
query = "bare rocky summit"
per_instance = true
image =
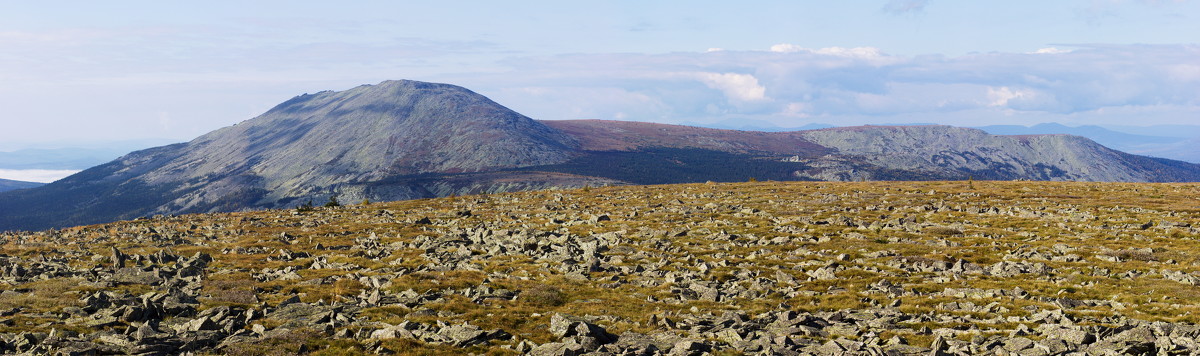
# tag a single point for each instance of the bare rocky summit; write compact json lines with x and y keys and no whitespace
{"x":785,"y":268}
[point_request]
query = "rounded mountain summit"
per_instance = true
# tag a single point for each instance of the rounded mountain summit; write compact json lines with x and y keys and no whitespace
{"x":373,"y":131}
{"x":347,"y":143}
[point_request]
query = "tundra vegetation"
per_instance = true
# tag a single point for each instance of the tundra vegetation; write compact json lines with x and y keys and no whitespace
{"x":978,"y":267}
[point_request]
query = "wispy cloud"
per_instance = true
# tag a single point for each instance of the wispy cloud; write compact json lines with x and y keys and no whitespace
{"x":82,"y":54}
{"x":899,"y":7}
{"x":1085,"y":84}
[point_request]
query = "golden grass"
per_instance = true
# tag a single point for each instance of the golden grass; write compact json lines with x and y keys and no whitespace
{"x":1106,"y":226}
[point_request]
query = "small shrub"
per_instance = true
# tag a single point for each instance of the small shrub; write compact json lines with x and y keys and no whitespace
{"x":234,"y":290}
{"x":333,"y":202}
{"x":306,"y":207}
{"x":543,"y":295}
{"x":943,"y":231}
{"x":347,"y":287}
{"x":1137,"y":254}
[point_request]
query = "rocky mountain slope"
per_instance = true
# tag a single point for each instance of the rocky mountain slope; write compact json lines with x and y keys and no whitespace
{"x":953,"y":153}
{"x":374,"y":141}
{"x":6,"y":185}
{"x":781,"y":268}
{"x":1161,"y":141}
{"x":396,"y":128}
{"x":406,"y":140}
{"x":607,"y":135}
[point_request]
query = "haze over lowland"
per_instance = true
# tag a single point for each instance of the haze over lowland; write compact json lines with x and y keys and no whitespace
{"x":148,"y":69}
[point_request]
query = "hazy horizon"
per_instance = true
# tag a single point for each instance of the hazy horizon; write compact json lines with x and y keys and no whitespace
{"x":143,"y":69}
{"x":136,"y":70}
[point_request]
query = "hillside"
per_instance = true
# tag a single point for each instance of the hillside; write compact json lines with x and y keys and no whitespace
{"x":1170,"y":142}
{"x":608,"y":135}
{"x":958,"y":153}
{"x":906,"y":268}
{"x":309,"y":148}
{"x":647,"y":153}
{"x":6,"y":185}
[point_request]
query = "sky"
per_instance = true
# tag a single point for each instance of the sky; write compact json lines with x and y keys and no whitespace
{"x":90,"y":71}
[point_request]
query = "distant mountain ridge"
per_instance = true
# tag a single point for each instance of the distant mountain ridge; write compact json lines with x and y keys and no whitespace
{"x":8,"y":184}
{"x":1174,"y":145}
{"x":1176,"y":142}
{"x":406,"y":139}
{"x":954,"y":152}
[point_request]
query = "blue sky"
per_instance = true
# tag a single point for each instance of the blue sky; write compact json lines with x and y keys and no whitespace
{"x":118,"y":70}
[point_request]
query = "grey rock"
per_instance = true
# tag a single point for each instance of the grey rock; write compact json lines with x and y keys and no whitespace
{"x":134,"y":275}
{"x":690,"y":348}
{"x":557,"y":349}
{"x":562,"y":325}
{"x":464,"y":335}
{"x":1072,"y":335}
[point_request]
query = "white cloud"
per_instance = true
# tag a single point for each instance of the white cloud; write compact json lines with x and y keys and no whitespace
{"x":1051,"y":50}
{"x":905,"y":6}
{"x":737,"y":87}
{"x":1185,"y":72}
{"x":1001,"y":96}
{"x":35,"y":175}
{"x":788,"y":48}
{"x":855,"y":52}
{"x":872,"y":55}
{"x":836,"y":84}
{"x":796,"y":110}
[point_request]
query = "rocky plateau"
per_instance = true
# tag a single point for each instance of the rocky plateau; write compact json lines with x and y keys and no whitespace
{"x":781,"y":268}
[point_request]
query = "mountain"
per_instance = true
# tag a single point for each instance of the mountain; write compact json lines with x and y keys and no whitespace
{"x":1110,"y":138}
{"x":7,"y":185}
{"x":1186,"y":150}
{"x":1180,"y":131}
{"x":381,"y":142}
{"x":1162,"y":145}
{"x":405,"y":140}
{"x":946,"y":152}
{"x":646,"y":153}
